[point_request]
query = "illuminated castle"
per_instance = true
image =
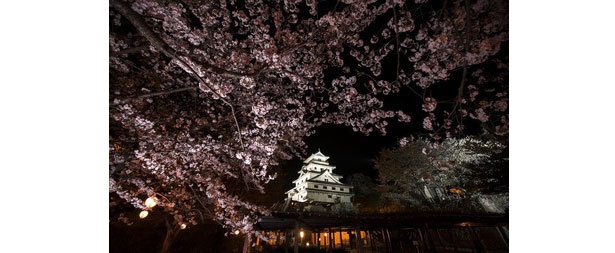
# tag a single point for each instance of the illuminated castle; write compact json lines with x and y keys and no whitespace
{"x":318,"y":183}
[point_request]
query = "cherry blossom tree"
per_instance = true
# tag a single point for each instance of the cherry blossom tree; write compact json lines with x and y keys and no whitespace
{"x":207,"y":97}
{"x":455,"y":165}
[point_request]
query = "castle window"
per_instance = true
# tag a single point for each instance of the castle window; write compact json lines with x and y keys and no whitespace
{"x":315,"y":186}
{"x":324,"y":187}
{"x":333,"y":188}
{"x":329,"y":196}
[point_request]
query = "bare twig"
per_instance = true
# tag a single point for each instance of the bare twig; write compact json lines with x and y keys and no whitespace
{"x":466,"y":46}
{"x":396,"y":42}
{"x":130,"y":50}
{"x":196,"y":196}
{"x":166,"y":92}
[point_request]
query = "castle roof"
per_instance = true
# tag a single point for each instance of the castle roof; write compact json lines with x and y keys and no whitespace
{"x":317,"y":157}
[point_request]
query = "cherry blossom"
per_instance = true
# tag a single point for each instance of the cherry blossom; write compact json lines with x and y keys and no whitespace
{"x":429,"y":104}
{"x":207,"y":97}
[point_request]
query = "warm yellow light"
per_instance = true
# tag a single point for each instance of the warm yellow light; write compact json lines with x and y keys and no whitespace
{"x":326,"y":234}
{"x":301,"y":234}
{"x":307,"y":244}
{"x":143,"y":214}
{"x":236,"y":232}
{"x":151,"y":202}
{"x":183,"y":226}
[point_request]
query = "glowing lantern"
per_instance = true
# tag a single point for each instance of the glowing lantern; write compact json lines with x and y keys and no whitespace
{"x":307,"y":244}
{"x":151,"y":202}
{"x":183,"y":226}
{"x":301,"y":234}
{"x":455,"y":191}
{"x":143,"y":214}
{"x":236,"y":232}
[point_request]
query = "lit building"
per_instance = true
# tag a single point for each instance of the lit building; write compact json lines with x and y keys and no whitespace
{"x":318,"y":183}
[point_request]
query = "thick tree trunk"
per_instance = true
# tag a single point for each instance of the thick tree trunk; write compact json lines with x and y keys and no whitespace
{"x":246,"y":244}
{"x":168,"y":239}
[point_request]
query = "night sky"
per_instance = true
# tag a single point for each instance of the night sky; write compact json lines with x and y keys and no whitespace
{"x":353,"y":152}
{"x":349,"y":151}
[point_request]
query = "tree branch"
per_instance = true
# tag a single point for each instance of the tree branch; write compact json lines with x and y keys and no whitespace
{"x":128,"y":50}
{"x":465,"y":66}
{"x":166,"y":92}
{"x":293,"y":48}
{"x":396,"y":43}
{"x":162,"y":93}
{"x":139,"y":23}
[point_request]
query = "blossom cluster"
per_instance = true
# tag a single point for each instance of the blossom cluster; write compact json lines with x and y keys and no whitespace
{"x":214,"y":94}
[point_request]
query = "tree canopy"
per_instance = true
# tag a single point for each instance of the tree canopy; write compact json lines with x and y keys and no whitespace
{"x":207,"y":97}
{"x":473,"y":165}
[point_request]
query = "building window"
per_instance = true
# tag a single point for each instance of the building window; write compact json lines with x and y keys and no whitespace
{"x":326,"y":180}
{"x":329,"y":196}
{"x":324,"y":187}
{"x":333,"y":188}
{"x":341,"y":189}
{"x":315,"y":186}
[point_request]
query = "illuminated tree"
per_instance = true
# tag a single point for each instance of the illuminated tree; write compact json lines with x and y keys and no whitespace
{"x":208,"y":96}
{"x":456,"y":165}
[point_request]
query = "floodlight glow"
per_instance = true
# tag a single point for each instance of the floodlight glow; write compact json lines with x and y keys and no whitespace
{"x":151,"y":202}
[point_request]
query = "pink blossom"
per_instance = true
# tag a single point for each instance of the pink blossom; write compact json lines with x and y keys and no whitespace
{"x":473,"y":92}
{"x":429,"y":104}
{"x":427,"y":123}
{"x":480,"y":115}
{"x":261,"y":73}
{"x":403,"y":142}
{"x":501,"y":105}
{"x":503,"y":128}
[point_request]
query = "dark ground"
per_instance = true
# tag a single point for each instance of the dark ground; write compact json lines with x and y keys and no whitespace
{"x":149,"y":236}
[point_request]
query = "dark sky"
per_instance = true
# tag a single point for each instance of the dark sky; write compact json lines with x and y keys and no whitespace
{"x":349,"y":151}
{"x":353,"y":152}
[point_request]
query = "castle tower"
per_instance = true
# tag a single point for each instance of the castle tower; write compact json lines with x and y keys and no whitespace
{"x":318,"y":183}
